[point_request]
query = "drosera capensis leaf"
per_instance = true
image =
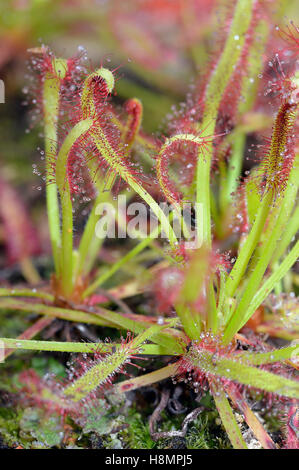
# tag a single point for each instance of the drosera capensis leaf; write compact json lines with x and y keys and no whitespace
{"x":213,"y":95}
{"x":162,"y":161}
{"x":227,"y":416}
{"x":65,"y":346}
{"x":276,"y":355}
{"x":102,"y":372}
{"x":54,"y":74}
{"x":74,"y":135}
{"x":121,"y":168}
{"x":130,"y":132}
{"x":5,"y":292}
{"x":232,"y":369}
{"x":250,"y":418}
{"x":147,"y":379}
{"x":100,"y":317}
{"x":104,"y":80}
{"x":29,"y":333}
{"x":56,"y":312}
{"x":238,"y":321}
{"x":276,"y":168}
{"x":114,"y":158}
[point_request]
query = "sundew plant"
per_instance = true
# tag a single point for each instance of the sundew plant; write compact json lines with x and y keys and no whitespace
{"x":219,"y":313}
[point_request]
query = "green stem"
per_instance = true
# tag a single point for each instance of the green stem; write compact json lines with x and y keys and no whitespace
{"x":34,"y":345}
{"x":56,"y":312}
{"x":233,"y":369}
{"x":29,"y":333}
{"x":212,"y":309}
{"x":227,"y":416}
{"x":147,"y":379}
{"x":26,"y":293}
{"x":172,"y":339}
{"x":203,"y":182}
{"x":277,"y":223}
{"x":283,"y":208}
{"x":258,"y":359}
{"x":250,"y":418}
{"x":215,"y":89}
{"x":66,"y":204}
{"x":116,"y":266}
{"x":29,"y":271}
{"x":89,"y":239}
{"x":51,"y":106}
{"x":249,"y":245}
{"x":235,"y":166}
{"x":190,"y":320}
{"x":249,"y":304}
{"x":289,"y":233}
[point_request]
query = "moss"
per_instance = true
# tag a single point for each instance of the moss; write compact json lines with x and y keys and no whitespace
{"x":30,"y":428}
{"x":206,"y":434}
{"x":203,"y":433}
{"x":9,"y":426}
{"x":137,"y":435}
{"x":42,"y":430}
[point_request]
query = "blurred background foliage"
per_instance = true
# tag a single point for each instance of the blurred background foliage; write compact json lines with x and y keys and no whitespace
{"x":160,"y":47}
{"x":158,"y":44}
